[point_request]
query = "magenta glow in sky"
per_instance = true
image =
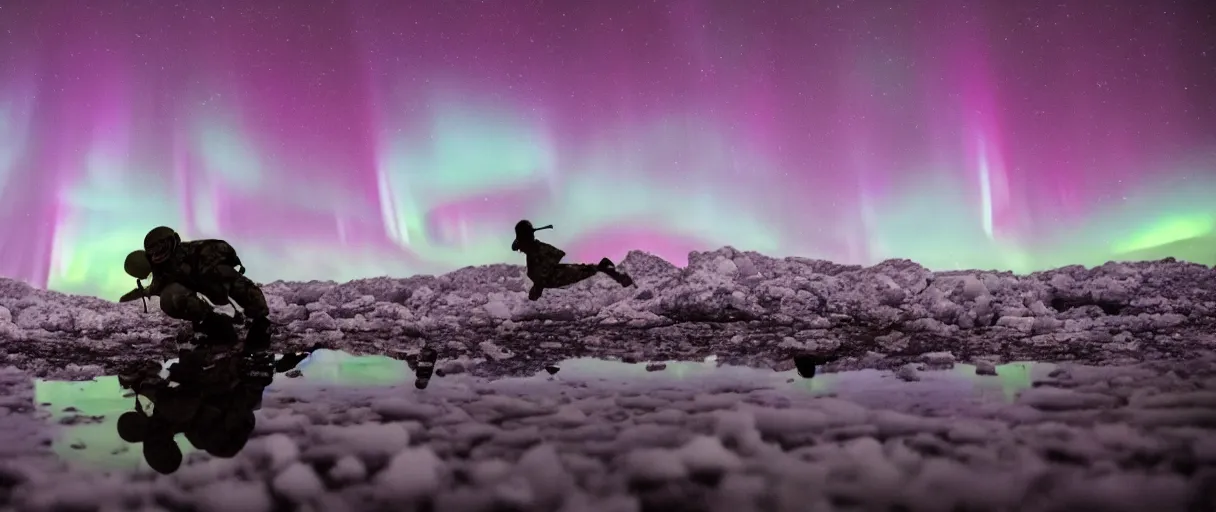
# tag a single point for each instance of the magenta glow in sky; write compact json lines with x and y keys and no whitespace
{"x":354,"y":138}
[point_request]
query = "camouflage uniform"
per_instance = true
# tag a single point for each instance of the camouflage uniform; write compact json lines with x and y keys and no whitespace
{"x":207,"y":267}
{"x":546,"y":270}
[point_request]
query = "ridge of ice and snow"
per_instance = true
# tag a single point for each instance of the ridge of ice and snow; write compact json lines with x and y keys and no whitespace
{"x":792,"y":304}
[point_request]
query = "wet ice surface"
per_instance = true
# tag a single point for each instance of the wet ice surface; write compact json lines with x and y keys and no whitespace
{"x":352,"y":433}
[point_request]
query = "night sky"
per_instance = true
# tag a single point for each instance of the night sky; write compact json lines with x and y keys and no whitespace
{"x":344,"y":139}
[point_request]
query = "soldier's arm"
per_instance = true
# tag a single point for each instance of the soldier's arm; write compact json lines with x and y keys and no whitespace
{"x":156,"y":286}
{"x":135,"y":294}
{"x":153,"y":289}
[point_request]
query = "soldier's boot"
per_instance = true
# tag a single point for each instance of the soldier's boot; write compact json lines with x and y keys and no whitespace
{"x":608,"y":268}
{"x":535,"y":292}
{"x":216,"y":329}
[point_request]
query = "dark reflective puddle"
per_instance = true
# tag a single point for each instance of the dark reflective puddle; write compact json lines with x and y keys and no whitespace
{"x":210,"y":405}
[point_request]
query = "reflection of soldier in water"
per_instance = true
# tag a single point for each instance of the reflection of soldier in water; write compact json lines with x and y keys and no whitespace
{"x":423,"y":365}
{"x":212,"y":404}
{"x":545,"y":268}
{"x":182,"y":270}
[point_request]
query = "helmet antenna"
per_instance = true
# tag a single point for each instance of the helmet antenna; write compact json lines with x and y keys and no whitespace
{"x":139,"y":283}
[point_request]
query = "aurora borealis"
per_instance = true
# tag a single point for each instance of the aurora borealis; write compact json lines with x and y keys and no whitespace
{"x":345,"y":139}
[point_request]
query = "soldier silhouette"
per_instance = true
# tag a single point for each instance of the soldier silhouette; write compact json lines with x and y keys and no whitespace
{"x":182,"y":270}
{"x":545,"y":268}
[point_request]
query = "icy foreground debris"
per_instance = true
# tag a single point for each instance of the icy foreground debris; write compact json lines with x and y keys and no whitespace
{"x":1085,"y":438}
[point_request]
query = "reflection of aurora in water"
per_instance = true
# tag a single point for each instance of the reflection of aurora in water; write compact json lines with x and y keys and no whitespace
{"x":330,"y":366}
{"x":1011,"y":378}
{"x":102,"y":400}
{"x":97,"y":443}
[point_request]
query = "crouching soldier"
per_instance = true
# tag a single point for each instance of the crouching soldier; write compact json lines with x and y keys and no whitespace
{"x":181,"y":271}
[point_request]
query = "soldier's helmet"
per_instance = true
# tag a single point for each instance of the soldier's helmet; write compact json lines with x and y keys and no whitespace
{"x":132,"y":427}
{"x":160,"y":243}
{"x":137,"y":265}
{"x":524,"y":231}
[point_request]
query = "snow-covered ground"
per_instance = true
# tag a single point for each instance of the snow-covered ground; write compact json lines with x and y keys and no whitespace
{"x":747,"y":308}
{"x":1119,"y":416}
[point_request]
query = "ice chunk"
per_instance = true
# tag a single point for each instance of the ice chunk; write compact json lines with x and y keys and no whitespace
{"x":706,"y":454}
{"x":397,"y":409}
{"x":497,"y":309}
{"x":233,"y":496}
{"x":298,"y":483}
{"x":546,"y":475}
{"x":938,"y":358}
{"x":411,"y":474}
{"x":348,"y":469}
{"x":1057,"y":399}
{"x":368,"y":439}
{"x":907,"y":373}
{"x":653,"y":464}
{"x":277,"y":449}
{"x":973,"y":288}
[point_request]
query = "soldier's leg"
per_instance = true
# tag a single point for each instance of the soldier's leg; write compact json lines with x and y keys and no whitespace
{"x":558,"y":276}
{"x":608,"y":268}
{"x":246,"y":294}
{"x":567,"y":274}
{"x":243,"y":291}
{"x":182,"y":303}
